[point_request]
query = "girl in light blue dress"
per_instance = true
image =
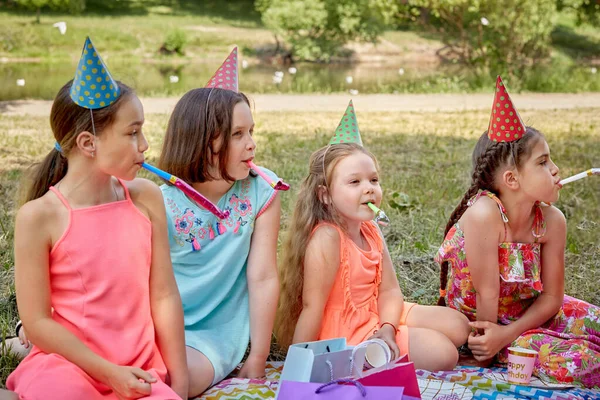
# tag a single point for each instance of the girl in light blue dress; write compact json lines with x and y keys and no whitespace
{"x":226,"y":270}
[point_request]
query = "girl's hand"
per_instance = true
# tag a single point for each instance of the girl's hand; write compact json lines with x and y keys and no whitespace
{"x":487,"y":345}
{"x":129,"y":382}
{"x":253,"y":368}
{"x":388,"y":335}
{"x":23,"y":338}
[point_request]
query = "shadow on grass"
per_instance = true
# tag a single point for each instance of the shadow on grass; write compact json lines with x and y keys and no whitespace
{"x":573,"y":44}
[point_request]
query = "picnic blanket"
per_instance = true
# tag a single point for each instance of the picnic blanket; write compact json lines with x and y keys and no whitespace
{"x":463,"y":383}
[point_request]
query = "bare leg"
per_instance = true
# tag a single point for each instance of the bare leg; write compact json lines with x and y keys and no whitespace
{"x":15,"y":347}
{"x":453,"y":324}
{"x":431,"y":350}
{"x":201,"y":372}
{"x":6,"y":395}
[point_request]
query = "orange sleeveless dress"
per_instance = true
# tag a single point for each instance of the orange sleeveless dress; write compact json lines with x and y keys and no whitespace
{"x":351,"y":309}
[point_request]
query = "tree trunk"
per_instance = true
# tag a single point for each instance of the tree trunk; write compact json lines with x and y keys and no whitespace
{"x":37,"y":15}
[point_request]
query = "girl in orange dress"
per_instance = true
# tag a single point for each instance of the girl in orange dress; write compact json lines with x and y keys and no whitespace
{"x":337,"y":275}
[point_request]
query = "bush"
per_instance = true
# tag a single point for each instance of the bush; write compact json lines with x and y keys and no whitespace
{"x":317,"y":29}
{"x":175,"y":42}
{"x":502,"y":36}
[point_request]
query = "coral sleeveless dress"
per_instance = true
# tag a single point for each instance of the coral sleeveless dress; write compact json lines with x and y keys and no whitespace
{"x":351,"y":309}
{"x":568,"y":345}
{"x":99,"y":279}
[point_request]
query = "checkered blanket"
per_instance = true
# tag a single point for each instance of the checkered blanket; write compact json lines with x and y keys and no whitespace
{"x":463,"y":383}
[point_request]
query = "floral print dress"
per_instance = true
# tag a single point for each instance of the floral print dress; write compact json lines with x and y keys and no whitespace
{"x":568,"y":345}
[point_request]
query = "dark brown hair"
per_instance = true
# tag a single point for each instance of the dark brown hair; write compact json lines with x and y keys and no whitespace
{"x":488,"y":157}
{"x":67,"y":121}
{"x":192,"y":131}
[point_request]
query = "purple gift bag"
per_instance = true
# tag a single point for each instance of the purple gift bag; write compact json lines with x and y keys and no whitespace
{"x":346,"y":389}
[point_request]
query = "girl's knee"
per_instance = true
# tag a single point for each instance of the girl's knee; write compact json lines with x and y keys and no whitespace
{"x":448,"y":358}
{"x":458,"y":328}
{"x":200,"y":372}
{"x":432,"y":350}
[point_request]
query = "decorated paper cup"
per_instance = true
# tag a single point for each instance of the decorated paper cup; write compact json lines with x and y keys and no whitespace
{"x":520,"y":365}
{"x":378,"y":353}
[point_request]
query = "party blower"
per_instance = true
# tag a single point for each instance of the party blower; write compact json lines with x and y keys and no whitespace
{"x":380,"y":216}
{"x":188,"y":190}
{"x":279,"y":185}
{"x":581,"y":175}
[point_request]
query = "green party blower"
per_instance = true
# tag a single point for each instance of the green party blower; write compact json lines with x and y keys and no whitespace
{"x":380,"y":216}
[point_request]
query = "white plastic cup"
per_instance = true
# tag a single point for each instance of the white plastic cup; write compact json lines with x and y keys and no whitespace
{"x":378,"y":353}
{"x":520,"y":365}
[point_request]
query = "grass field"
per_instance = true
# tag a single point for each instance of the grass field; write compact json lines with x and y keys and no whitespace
{"x":425,"y":161}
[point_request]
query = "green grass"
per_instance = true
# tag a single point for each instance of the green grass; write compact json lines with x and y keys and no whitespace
{"x":135,"y":34}
{"x":425,"y":160}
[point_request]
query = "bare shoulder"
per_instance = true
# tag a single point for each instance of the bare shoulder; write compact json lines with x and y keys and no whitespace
{"x":485,"y":211}
{"x":146,"y":196}
{"x":141,"y":188}
{"x":40,"y":214}
{"x":556,"y":223}
{"x":325,"y":241}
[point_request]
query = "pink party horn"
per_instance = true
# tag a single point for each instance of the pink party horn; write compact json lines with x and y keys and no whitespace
{"x":188,"y":190}
{"x":279,"y":185}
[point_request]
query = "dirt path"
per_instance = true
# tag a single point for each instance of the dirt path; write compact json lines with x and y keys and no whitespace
{"x":367,"y":102}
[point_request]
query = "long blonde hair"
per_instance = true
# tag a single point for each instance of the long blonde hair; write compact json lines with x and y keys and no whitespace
{"x":308,"y":212}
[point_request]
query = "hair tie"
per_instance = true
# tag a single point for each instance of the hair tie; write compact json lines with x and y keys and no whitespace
{"x":57,"y":147}
{"x":442,"y":292}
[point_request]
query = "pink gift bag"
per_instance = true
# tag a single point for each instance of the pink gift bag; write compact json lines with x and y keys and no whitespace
{"x":396,"y":373}
{"x":346,"y":389}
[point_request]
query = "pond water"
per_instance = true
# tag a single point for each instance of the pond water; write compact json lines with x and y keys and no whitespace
{"x":42,"y":80}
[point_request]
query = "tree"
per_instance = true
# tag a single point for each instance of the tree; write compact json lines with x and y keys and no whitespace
{"x":588,"y":11}
{"x":72,"y":6}
{"x":317,"y":29}
{"x":503,"y":36}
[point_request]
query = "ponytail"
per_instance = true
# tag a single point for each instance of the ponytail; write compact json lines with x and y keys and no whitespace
{"x":44,"y":174}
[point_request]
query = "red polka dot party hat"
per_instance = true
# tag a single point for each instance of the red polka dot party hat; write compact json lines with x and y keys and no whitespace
{"x":347,"y":131}
{"x":505,"y":124}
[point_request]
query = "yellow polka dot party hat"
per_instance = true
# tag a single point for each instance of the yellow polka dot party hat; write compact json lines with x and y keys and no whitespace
{"x":93,"y":86}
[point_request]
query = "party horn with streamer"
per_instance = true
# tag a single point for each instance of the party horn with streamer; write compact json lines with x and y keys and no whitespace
{"x":581,"y":175}
{"x":380,"y":216}
{"x":279,"y":185}
{"x":188,"y":190}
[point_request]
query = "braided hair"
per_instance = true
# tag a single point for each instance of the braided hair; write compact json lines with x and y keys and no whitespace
{"x":488,"y":157}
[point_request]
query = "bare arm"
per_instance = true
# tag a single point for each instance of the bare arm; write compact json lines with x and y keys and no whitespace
{"x":165,"y":302}
{"x":263,"y":288}
{"x":390,"y":302}
{"x":321,"y":263}
{"x":483,"y":229}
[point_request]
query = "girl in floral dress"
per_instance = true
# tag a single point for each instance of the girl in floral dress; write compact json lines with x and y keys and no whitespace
{"x":504,"y":247}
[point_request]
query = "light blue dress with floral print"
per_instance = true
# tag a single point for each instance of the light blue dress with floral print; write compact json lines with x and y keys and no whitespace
{"x":210,"y":258}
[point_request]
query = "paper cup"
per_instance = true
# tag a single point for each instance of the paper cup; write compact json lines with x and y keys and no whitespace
{"x":520,"y":365}
{"x":378,"y":353}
